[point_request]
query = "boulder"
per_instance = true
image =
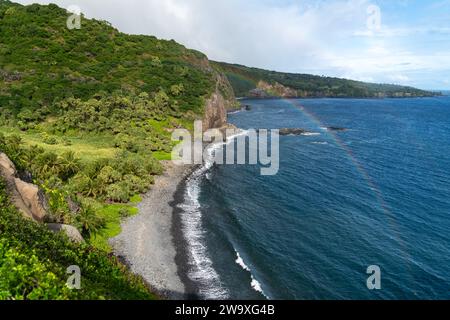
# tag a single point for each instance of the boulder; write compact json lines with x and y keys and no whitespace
{"x":31,"y":199}
{"x":72,"y":233}
{"x":292,"y":132}
{"x":7,"y":168}
{"x":336,"y":129}
{"x":26,"y":197}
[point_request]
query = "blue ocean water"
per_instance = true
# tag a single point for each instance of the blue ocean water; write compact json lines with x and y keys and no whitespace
{"x":377,"y":194}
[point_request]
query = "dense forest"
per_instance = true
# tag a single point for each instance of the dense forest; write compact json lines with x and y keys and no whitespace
{"x":42,"y":61}
{"x":253,"y":82}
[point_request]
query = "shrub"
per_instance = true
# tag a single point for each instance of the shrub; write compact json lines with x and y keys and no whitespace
{"x":124,"y":212}
{"x":118,"y":192}
{"x":88,"y":222}
{"x":49,"y":139}
{"x":33,"y":263}
{"x":24,"y":276}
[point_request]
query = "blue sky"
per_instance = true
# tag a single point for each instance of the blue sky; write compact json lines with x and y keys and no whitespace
{"x":408,"y":44}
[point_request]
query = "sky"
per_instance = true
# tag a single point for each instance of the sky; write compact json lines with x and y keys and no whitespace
{"x":389,"y":41}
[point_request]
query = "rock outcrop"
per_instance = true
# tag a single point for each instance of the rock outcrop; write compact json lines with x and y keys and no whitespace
{"x":72,"y":233}
{"x":7,"y":168}
{"x":264,"y":90}
{"x":215,"y":112}
{"x":292,"y":132}
{"x":336,"y":129}
{"x":25,"y":196}
{"x":29,"y":200}
{"x":218,"y":105}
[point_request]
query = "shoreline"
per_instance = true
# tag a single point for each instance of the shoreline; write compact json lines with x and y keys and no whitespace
{"x":152,"y":242}
{"x":179,"y":240}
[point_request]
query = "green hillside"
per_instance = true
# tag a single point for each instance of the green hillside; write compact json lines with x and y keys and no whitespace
{"x":33,"y":263}
{"x":258,"y":82}
{"x":86,"y":115}
{"x":42,"y":61}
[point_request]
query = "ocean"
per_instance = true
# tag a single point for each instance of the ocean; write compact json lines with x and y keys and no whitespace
{"x":377,"y":194}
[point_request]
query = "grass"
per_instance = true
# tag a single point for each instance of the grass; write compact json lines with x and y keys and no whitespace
{"x":113,"y":215}
{"x":87,"y":148}
{"x":161,"y":155}
{"x":135,"y":199}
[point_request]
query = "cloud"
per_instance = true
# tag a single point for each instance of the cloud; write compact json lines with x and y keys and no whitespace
{"x":321,"y":37}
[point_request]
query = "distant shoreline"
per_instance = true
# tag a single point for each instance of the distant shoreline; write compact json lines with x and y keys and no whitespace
{"x":442,"y":94}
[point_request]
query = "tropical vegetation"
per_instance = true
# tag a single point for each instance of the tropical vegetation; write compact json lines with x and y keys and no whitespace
{"x":246,"y":82}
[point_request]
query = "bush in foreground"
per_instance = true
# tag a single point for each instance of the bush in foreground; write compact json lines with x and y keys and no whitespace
{"x":33,"y":264}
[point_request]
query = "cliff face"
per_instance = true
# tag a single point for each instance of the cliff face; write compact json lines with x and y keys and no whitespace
{"x":215,"y":112}
{"x":220,"y":102}
{"x":265,"y":89}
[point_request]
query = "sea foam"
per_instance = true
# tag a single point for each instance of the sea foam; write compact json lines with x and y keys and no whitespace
{"x":201,"y":268}
{"x":255,"y":283}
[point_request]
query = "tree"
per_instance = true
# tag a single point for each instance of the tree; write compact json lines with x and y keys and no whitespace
{"x":69,"y":165}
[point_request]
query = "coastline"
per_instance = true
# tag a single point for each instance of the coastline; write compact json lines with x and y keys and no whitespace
{"x":154,"y":244}
{"x":179,"y":240}
{"x":151,"y":243}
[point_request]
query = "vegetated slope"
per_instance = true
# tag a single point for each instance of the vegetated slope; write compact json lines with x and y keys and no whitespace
{"x":33,"y":264}
{"x":85,"y":115}
{"x":253,"y":82}
{"x":42,"y":61}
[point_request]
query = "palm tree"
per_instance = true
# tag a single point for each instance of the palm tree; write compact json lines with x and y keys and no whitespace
{"x":89,"y":221}
{"x":48,"y":165}
{"x":69,"y":165}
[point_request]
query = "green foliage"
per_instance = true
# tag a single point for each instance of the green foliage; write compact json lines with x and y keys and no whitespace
{"x":59,"y":211}
{"x":90,"y":109}
{"x":49,"y":139}
{"x":244,"y":79}
{"x":42,"y":61}
{"x":128,"y":119}
{"x":88,"y":221}
{"x":117,"y":179}
{"x":64,"y":178}
{"x":33,"y":263}
{"x":23,"y":276}
{"x":112,"y":215}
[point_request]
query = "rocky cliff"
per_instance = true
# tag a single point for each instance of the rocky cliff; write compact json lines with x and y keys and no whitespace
{"x":265,"y":89}
{"x":215,"y":112}
{"x":220,"y":102}
{"x":29,"y":200}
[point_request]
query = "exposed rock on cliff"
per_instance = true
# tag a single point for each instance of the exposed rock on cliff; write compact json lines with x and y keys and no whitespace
{"x":265,"y":89}
{"x":215,"y":112}
{"x":29,"y":200}
{"x":7,"y":168}
{"x":221,"y":101}
{"x":25,"y":196}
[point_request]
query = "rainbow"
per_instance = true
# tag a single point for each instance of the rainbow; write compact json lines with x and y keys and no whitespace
{"x":360,"y":169}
